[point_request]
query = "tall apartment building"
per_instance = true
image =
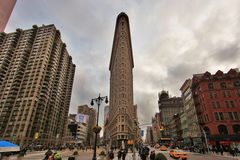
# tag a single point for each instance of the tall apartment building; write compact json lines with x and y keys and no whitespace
{"x":121,"y":108}
{"x":6,"y":7}
{"x":168,"y":106}
{"x":36,"y":78}
{"x":84,"y":109}
{"x":191,"y":132}
{"x":217,"y":101}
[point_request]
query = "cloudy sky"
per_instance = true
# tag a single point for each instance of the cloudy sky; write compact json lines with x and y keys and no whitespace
{"x":171,"y":39}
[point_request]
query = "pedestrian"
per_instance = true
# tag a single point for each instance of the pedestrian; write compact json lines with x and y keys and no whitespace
{"x":124,"y":153}
{"x":152,"y":155}
{"x":145,"y":153}
{"x":221,"y":150}
{"x":57,"y":156}
{"x":48,"y":154}
{"x":119,"y":155}
{"x":111,"y":155}
{"x":236,"y":151}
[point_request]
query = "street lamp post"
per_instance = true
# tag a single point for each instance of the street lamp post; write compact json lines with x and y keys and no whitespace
{"x":98,"y":100}
{"x":205,"y":138}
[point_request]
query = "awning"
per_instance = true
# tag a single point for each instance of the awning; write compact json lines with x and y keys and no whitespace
{"x":225,"y":142}
{"x":6,"y":146}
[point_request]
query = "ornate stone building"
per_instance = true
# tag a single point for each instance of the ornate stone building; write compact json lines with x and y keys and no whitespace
{"x":168,"y":106}
{"x":122,"y":118}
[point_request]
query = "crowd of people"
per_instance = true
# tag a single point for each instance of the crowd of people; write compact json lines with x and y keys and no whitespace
{"x":234,"y":151}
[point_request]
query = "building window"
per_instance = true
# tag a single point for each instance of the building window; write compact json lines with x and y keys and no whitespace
{"x":223,"y":85}
{"x":236,"y":128}
{"x":213,"y":104}
{"x":122,"y":128}
{"x":218,"y":104}
{"x":215,"y":95}
{"x":236,"y":83}
{"x":228,"y":94}
{"x":227,"y":104}
{"x":210,"y":85}
{"x":224,"y":94}
{"x":238,"y":92}
{"x":232,"y":104}
{"x":230,"y":115}
{"x":122,"y":118}
{"x":210,"y":95}
{"x":221,"y":116}
{"x":216,"y":116}
{"x":235,"y":115}
{"x":222,"y":129}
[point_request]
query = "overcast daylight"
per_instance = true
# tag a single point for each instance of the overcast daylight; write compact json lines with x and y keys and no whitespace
{"x":57,"y":57}
{"x":171,"y":40}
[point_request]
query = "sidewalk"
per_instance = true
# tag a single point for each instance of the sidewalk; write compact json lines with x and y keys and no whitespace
{"x":225,"y":154}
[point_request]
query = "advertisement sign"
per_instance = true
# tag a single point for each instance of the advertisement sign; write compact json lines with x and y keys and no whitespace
{"x":82,"y":118}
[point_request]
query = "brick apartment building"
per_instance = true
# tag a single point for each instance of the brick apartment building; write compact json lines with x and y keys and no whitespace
{"x":217,"y":101}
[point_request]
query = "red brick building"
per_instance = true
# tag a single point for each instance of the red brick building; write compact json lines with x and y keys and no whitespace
{"x":217,"y":102}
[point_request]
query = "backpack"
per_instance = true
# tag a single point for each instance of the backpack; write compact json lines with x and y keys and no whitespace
{"x":57,"y":156}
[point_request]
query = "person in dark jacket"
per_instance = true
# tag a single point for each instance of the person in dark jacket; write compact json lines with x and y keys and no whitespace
{"x":145,"y":153}
{"x":119,"y":155}
{"x":124,"y":153}
{"x":152,"y":155}
{"x":111,"y":155}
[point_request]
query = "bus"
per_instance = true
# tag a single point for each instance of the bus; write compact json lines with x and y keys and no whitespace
{"x":165,"y":141}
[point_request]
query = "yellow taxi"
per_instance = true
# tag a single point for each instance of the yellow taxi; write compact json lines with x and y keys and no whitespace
{"x":178,"y":154}
{"x":163,"y":148}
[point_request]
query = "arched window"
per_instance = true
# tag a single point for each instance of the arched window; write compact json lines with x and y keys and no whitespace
{"x":222,"y":129}
{"x":236,"y":128}
{"x":207,"y":131}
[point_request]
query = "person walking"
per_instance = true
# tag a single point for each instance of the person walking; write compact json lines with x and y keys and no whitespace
{"x":111,"y":155}
{"x":152,"y":155}
{"x":119,"y":155}
{"x":145,"y":153}
{"x":221,"y":150}
{"x":124,"y":153}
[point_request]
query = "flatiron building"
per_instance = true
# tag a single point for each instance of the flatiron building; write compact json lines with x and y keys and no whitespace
{"x":121,"y":108}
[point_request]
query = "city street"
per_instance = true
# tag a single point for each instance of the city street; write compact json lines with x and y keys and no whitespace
{"x":87,"y":155}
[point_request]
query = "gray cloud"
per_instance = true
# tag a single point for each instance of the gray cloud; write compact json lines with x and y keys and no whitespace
{"x":171,"y":41}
